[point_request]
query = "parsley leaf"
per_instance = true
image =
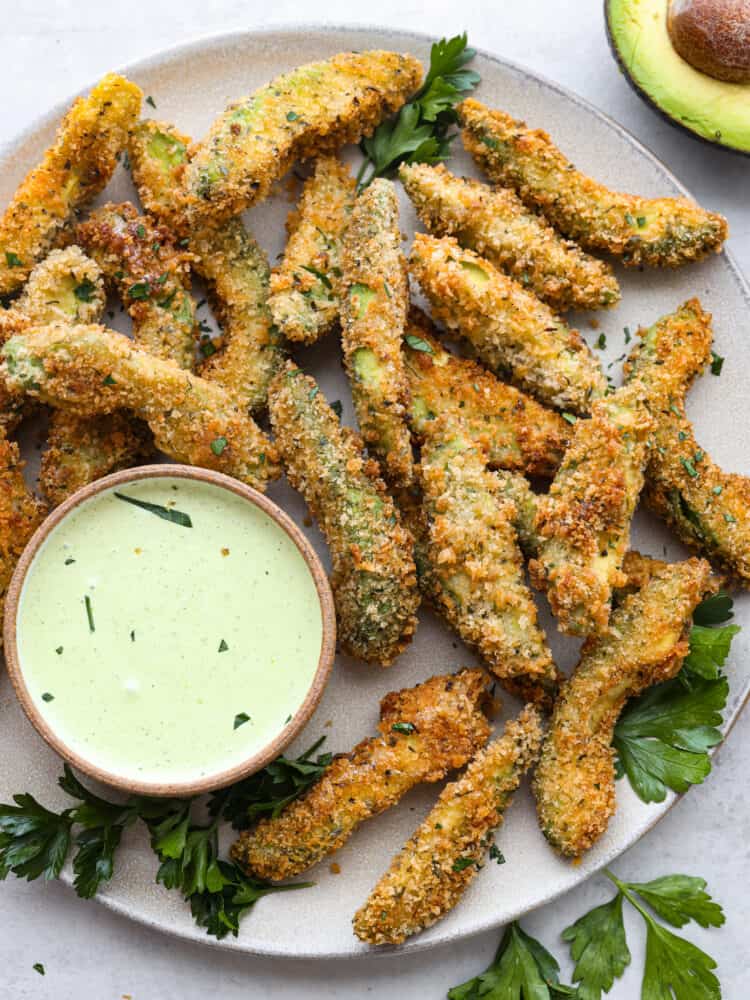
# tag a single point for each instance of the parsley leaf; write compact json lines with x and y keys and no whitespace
{"x":85,"y":290}
{"x":33,"y":840}
{"x":418,"y":344}
{"x":522,"y":970}
{"x":709,"y":648}
{"x":676,"y":967}
{"x":420,"y":132}
{"x":679,"y":899}
{"x":268,"y":791}
{"x":599,"y":949}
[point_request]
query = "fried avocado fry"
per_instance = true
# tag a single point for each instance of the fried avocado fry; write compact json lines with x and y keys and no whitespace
{"x":496,"y":224}
{"x":424,"y":732}
{"x":89,"y":369}
{"x":430,"y":875}
{"x":74,"y":170}
{"x":517,"y":432}
{"x":82,"y":449}
{"x":305,"y":287}
{"x":20,"y":515}
{"x":65,"y":287}
{"x":152,"y":277}
{"x":584,"y":521}
{"x":374,"y":577}
{"x":231,"y":263}
{"x":374,"y":304}
{"x":514,"y":334}
{"x":313,"y":110}
{"x":645,"y":643}
{"x":659,"y":232}
{"x":708,"y":509}
{"x":477,"y":564}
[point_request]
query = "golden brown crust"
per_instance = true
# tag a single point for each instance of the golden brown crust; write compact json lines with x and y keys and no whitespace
{"x":516,"y":432}
{"x":432,"y":871}
{"x":425,"y":732}
{"x":644,"y":644}
{"x":374,"y":304}
{"x":660,"y":232}
{"x":151,"y":274}
{"x":89,"y":369}
{"x":305,"y":286}
{"x":73,"y":170}
{"x":313,"y":110}
{"x":585,"y":519}
{"x":514,"y":334}
{"x":477,"y":567}
{"x":374,"y":577}
{"x":708,"y":509}
{"x":496,"y":224}
{"x":231,"y":263}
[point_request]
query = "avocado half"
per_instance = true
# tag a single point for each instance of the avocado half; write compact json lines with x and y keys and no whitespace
{"x":710,"y":109}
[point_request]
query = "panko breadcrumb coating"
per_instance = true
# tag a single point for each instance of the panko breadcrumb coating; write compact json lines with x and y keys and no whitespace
{"x":659,"y":232}
{"x":20,"y":515}
{"x":305,"y":286}
{"x":73,"y":171}
{"x":514,"y":334}
{"x":474,"y":556}
{"x":584,"y":521}
{"x":231,"y":263}
{"x":517,"y":432}
{"x":496,"y":224}
{"x":312,"y":110}
{"x":151,"y":274}
{"x":374,"y":578}
{"x":708,"y":509}
{"x":374,"y":305}
{"x":89,"y":369}
{"x":65,"y":287}
{"x":645,"y":643}
{"x":424,"y":732}
{"x":428,"y":877}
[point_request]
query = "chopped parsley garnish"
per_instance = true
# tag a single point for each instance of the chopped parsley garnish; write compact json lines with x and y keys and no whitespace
{"x":641,"y":220}
{"x":404,"y":727}
{"x":108,"y":380}
{"x":218,"y":445}
{"x":628,"y":335}
{"x":313,"y":392}
{"x":168,"y":513}
{"x":12,"y":259}
{"x":139,"y":290}
{"x":69,"y":560}
{"x":151,"y":101}
{"x":496,"y":854}
{"x":461,"y":864}
{"x":601,"y":342}
{"x":570,"y":417}
{"x":717,"y":363}
{"x":85,"y":290}
{"x":689,"y":467}
{"x":322,"y":278}
{"x":223,"y":647}
{"x":38,"y":967}
{"x":337,"y":408}
{"x":292,"y":116}
{"x":47,"y":696}
{"x":59,"y":650}
{"x":422,"y":130}
{"x":89,"y":613}
{"x":140,"y":230}
{"x":132,"y":635}
{"x":240,"y":719}
{"x":418,"y":344}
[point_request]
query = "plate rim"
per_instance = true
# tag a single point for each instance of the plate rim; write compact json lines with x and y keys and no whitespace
{"x":208,"y":40}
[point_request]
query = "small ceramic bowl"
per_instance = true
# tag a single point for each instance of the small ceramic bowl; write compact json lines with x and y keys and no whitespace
{"x":260,"y":757}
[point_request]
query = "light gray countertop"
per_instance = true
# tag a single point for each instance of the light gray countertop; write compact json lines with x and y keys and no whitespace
{"x":50,"y":50}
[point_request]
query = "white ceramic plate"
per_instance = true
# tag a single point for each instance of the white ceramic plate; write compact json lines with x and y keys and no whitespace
{"x":190,"y":85}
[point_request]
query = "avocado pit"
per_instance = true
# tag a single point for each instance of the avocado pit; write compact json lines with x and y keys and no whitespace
{"x":713,"y":36}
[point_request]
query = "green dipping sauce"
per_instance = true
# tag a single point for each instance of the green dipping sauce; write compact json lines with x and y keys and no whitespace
{"x":163,"y":653}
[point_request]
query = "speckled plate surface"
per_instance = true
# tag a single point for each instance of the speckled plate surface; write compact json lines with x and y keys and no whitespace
{"x":189,"y":85}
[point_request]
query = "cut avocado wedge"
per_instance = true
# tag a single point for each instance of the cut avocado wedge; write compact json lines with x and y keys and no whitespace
{"x":711,"y":109}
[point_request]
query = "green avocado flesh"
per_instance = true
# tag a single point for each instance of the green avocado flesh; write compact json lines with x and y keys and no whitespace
{"x":716,"y":111}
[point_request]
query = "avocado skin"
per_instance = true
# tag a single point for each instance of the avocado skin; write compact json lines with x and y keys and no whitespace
{"x":645,"y":96}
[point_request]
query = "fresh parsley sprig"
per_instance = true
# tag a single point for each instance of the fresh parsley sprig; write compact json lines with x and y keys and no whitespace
{"x":674,"y":968}
{"x":36,"y":842}
{"x":421,"y":131}
{"x":663,"y":737}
